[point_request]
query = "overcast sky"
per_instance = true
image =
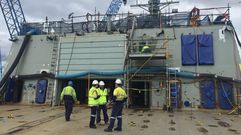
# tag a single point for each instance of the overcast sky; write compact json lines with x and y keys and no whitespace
{"x":36,"y":10}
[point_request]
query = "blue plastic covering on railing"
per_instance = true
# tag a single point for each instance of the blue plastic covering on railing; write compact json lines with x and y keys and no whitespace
{"x":122,"y":72}
{"x":188,"y":50}
{"x":205,"y":21}
{"x":205,"y":49}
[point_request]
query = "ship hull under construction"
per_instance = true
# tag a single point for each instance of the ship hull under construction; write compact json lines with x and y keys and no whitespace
{"x":176,"y":60}
{"x":186,"y":63}
{"x":147,"y":76}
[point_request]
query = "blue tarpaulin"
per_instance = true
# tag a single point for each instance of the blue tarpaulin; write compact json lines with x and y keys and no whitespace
{"x":205,"y":49}
{"x":225,"y":92}
{"x":208,"y":94}
{"x":189,"y":50}
{"x":41,"y":91}
{"x":205,"y":21}
{"x":10,"y":91}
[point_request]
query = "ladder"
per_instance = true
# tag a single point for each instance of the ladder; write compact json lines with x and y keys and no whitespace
{"x":54,"y":58}
{"x":173,"y":94}
{"x":172,"y":90}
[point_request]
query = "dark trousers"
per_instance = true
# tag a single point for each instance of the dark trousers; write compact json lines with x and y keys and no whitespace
{"x":104,"y":109}
{"x":93,"y":115}
{"x":68,"y":103}
{"x":116,"y":113}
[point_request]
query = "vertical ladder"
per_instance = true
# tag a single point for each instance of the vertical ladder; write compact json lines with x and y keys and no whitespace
{"x":54,"y":58}
{"x":172,"y":92}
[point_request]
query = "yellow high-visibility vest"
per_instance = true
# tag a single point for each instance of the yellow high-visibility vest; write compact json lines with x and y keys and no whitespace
{"x":102,"y":93}
{"x":144,"y":48}
{"x":68,"y":90}
{"x":119,"y":93}
{"x":92,"y":95}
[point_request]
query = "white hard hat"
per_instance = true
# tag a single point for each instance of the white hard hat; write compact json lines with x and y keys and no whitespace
{"x":118,"y":81}
{"x":95,"y":82}
{"x":101,"y":83}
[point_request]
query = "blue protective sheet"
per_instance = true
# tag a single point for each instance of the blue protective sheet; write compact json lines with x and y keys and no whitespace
{"x":188,"y":50}
{"x":205,"y":49}
{"x":41,"y":91}
{"x":205,"y":21}
{"x":10,"y":90}
{"x":174,"y":95}
{"x":225,"y":93}
{"x":208,"y":98}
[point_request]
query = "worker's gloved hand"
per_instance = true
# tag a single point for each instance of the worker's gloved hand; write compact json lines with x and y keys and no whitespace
{"x":114,"y":98}
{"x":125,"y":99}
{"x":110,"y":103}
{"x":97,"y":97}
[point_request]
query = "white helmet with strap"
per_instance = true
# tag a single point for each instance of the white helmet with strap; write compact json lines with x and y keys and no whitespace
{"x":101,"y":83}
{"x":95,"y":82}
{"x":118,"y":81}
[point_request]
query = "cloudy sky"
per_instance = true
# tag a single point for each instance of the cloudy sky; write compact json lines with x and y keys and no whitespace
{"x":37,"y":10}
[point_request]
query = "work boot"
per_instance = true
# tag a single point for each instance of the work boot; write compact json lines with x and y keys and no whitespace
{"x":117,"y":129}
{"x":94,"y":127}
{"x":92,"y":122}
{"x":107,"y":130}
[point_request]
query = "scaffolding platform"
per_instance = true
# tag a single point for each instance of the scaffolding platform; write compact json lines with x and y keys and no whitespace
{"x":147,"y":56}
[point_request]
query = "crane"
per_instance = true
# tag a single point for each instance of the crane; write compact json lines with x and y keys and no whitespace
{"x":14,"y":16}
{"x":114,"y":8}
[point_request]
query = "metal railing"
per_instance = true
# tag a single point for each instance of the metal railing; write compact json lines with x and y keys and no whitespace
{"x":123,"y":22}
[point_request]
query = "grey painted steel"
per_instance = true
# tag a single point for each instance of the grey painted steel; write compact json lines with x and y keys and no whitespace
{"x":104,"y":52}
{"x":223,"y":51}
{"x":94,"y":52}
{"x":36,"y":57}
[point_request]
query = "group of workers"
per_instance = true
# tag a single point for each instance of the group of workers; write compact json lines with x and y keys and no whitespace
{"x":97,"y":100}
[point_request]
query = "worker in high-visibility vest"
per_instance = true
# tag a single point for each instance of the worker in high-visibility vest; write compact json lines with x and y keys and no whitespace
{"x":102,"y":92}
{"x":93,"y":102}
{"x":69,"y":96}
{"x":119,"y":98}
{"x":146,"y":49}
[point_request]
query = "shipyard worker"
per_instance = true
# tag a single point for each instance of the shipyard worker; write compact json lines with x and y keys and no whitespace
{"x":69,"y":96}
{"x":102,"y":92}
{"x":119,"y":97}
{"x":146,"y":49}
{"x":93,"y":102}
